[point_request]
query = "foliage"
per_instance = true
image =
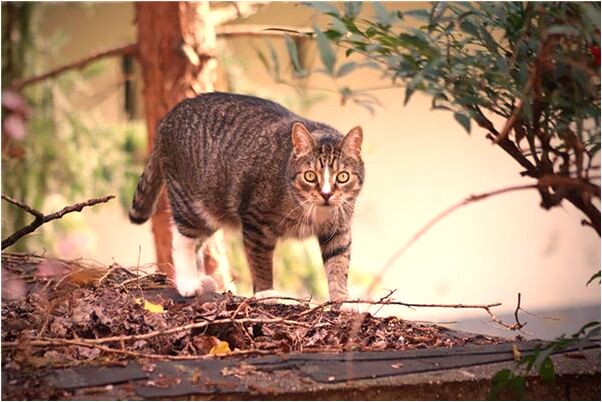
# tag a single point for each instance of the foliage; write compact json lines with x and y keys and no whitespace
{"x":540,"y":362}
{"x":64,"y":150}
{"x":534,"y":64}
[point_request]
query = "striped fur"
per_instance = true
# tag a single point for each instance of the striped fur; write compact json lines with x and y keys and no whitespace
{"x":241,"y":161}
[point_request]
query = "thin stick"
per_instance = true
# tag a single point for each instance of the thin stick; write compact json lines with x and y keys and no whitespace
{"x":397,"y":303}
{"x":262,"y":30}
{"x":518,"y":323}
{"x":128,"y":49}
{"x":433,"y":221}
{"x":41,"y":219}
{"x":181,"y":328}
{"x":38,"y":342}
{"x":141,"y":277}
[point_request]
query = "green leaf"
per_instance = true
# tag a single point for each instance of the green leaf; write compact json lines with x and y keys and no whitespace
{"x":464,"y":121}
{"x":327,"y":55}
{"x":263,"y":60}
{"x":490,"y":43}
{"x":338,"y":26}
{"x":420,"y":14}
{"x":498,"y":383}
{"x":382,"y":15}
{"x":347,"y":68}
{"x":517,"y":387}
{"x":469,"y":28}
{"x":593,"y":278}
{"x":546,"y":371}
{"x":409,"y":92}
{"x":275,"y":61}
{"x":323,"y":6}
{"x":352,"y":8}
{"x":293,"y":54}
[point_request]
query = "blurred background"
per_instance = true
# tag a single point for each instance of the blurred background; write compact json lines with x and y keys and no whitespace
{"x":85,"y":136}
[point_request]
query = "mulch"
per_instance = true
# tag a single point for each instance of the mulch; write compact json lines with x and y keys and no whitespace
{"x":58,"y":313}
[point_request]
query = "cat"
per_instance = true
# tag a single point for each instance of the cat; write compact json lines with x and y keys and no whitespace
{"x":232,"y":160}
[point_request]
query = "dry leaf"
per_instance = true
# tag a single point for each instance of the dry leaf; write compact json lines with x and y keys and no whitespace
{"x":148,"y":306}
{"x":221,"y":349}
{"x":516,"y":353}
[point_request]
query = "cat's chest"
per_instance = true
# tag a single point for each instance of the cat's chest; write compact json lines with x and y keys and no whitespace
{"x":308,"y":223}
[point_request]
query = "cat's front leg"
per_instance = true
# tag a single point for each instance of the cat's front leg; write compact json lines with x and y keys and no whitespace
{"x":259,"y":243}
{"x":336,"y":252}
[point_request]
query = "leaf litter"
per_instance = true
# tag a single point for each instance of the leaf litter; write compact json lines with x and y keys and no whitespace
{"x":85,"y":302}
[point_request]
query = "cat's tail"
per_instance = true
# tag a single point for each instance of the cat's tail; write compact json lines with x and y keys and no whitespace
{"x":147,"y":191}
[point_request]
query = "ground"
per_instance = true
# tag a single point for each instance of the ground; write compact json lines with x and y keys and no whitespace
{"x":60,"y":314}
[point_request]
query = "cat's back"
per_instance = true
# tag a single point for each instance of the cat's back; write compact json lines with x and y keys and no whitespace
{"x":219,"y":112}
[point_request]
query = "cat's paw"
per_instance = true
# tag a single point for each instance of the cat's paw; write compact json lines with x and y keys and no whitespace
{"x":207,"y":284}
{"x":349,"y":308}
{"x":187,"y":286}
{"x":264,"y":294}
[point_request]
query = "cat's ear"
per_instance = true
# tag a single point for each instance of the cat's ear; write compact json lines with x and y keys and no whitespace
{"x":352,"y":143}
{"x":303,"y":142}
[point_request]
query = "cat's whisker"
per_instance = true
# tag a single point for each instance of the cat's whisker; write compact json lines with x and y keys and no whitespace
{"x":303,"y":204}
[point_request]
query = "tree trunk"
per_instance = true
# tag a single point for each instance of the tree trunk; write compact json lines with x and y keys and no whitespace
{"x":176,"y":41}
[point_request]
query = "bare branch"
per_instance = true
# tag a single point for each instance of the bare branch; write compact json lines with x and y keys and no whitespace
{"x":43,"y":341}
{"x":262,"y":30}
{"x":180,"y":328}
{"x":23,"y":206}
{"x":233,"y":11}
{"x":517,"y":326}
{"x":436,"y":219}
{"x":128,"y":49}
{"x":41,"y":219}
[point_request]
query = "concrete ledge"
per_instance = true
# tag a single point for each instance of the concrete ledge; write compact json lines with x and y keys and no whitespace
{"x":430,"y":374}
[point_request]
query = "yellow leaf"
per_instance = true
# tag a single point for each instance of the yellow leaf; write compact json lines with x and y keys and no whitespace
{"x":516,"y":353}
{"x":148,"y":306}
{"x":221,"y":349}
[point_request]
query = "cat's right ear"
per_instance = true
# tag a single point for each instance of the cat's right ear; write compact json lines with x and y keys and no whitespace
{"x":303,"y":142}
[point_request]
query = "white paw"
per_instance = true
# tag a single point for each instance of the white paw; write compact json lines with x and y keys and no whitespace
{"x":267,"y":293}
{"x":187,"y":285}
{"x":350,"y":308}
{"x":207,"y":284}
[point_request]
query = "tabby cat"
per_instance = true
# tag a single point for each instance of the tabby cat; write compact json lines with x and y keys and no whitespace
{"x":241,"y":161}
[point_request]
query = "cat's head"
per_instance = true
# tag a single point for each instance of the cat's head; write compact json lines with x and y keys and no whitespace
{"x":326,"y":170}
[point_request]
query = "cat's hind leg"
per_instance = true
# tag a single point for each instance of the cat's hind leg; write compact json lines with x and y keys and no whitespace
{"x":189,"y":281}
{"x":189,"y":229}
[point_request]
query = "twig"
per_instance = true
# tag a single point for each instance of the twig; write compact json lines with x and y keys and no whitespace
{"x":41,"y":219}
{"x":41,"y":341}
{"x":110,"y":271}
{"x":141,"y":277}
{"x":128,"y":49}
{"x":382,"y":299}
{"x":181,"y":328}
{"x":433,"y":221}
{"x":511,"y":120}
{"x":262,"y":30}
{"x":396,"y":303}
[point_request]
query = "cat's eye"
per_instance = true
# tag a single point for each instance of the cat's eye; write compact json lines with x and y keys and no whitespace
{"x":310,"y":176}
{"x":343,"y":177}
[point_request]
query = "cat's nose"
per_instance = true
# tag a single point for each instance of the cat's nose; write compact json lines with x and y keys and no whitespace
{"x":326,"y":196}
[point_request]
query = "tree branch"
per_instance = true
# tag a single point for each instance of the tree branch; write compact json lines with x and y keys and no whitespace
{"x":262,"y":30}
{"x":236,"y":10}
{"x":433,"y":221}
{"x":41,"y":219}
{"x":128,"y":49}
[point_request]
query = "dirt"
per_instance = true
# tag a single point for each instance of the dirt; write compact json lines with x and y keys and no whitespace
{"x":60,"y":301}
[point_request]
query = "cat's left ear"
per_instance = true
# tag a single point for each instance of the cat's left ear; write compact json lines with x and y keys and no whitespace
{"x":352,"y":143}
{"x":303,"y":142}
